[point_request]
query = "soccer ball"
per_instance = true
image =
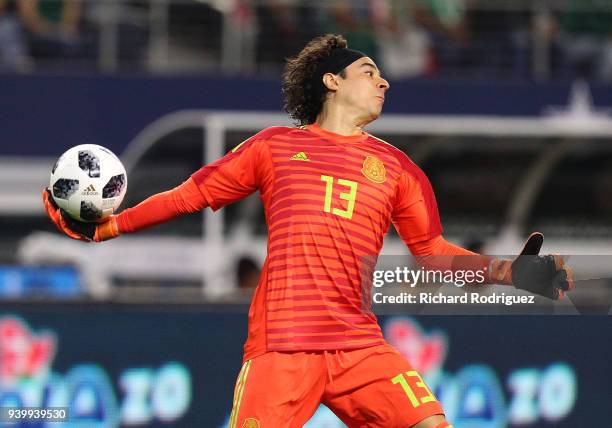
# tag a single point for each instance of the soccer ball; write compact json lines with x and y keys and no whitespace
{"x":88,"y":182}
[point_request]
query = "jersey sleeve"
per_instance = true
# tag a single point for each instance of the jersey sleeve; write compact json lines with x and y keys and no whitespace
{"x":415,"y":214}
{"x":161,"y":207}
{"x":235,"y":176}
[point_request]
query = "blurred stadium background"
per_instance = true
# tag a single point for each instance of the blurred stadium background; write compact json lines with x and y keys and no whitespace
{"x":504,"y":104}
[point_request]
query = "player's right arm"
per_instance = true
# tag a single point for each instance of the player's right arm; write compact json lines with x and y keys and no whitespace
{"x":231,"y":178}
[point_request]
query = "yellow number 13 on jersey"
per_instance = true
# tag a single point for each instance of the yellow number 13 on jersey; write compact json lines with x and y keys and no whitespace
{"x":347,"y":196}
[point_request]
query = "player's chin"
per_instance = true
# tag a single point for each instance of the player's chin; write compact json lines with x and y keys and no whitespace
{"x":374,"y":114}
{"x":370,"y":115}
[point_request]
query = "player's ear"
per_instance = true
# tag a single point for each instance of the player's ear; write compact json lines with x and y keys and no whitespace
{"x":331,"y":81}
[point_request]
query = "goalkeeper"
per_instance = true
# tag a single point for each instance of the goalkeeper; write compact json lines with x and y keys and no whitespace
{"x":330,"y":192}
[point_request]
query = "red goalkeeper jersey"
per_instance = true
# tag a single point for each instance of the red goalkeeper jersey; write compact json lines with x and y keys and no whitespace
{"x":328,"y":200}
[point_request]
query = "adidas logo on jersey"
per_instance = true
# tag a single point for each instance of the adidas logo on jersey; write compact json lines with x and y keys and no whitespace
{"x":90,"y":191}
{"x":301,"y":156}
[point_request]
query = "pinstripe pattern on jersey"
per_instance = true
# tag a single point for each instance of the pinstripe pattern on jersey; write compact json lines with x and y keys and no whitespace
{"x":312,"y":294}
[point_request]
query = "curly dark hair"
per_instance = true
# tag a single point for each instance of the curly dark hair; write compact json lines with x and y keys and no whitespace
{"x":303,"y":102}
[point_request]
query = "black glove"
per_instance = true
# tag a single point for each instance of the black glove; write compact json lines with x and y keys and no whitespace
{"x":544,"y":275}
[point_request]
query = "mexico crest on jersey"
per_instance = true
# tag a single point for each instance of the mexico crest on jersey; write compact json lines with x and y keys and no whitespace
{"x":251,"y":423}
{"x":374,"y":170}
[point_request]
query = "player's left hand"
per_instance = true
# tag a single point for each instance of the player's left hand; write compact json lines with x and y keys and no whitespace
{"x":75,"y":229}
{"x":547,"y":275}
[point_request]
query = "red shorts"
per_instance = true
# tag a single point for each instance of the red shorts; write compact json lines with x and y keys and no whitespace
{"x":371,"y":387}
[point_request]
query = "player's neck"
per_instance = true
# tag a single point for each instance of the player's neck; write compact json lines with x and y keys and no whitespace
{"x":341,"y":124}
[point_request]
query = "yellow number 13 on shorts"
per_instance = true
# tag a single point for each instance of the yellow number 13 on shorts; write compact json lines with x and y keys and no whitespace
{"x":350,"y":196}
{"x":425,"y":396}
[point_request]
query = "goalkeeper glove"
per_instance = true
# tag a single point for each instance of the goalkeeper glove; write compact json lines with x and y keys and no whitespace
{"x":80,"y":230}
{"x":544,"y":275}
